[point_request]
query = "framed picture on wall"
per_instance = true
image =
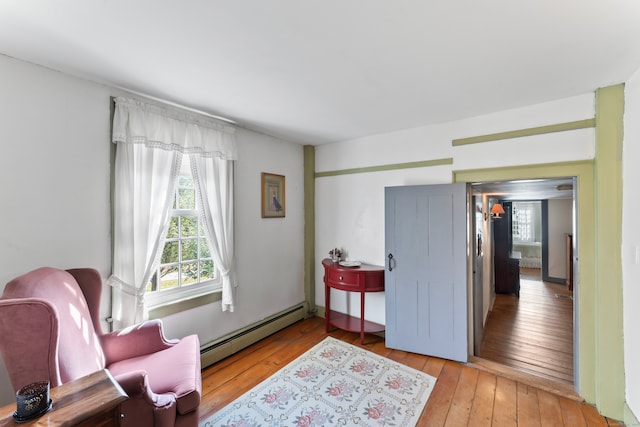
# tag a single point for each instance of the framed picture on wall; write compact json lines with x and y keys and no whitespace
{"x":273,"y":198}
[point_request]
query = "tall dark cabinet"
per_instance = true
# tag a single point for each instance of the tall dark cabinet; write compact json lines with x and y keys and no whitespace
{"x":506,"y":262}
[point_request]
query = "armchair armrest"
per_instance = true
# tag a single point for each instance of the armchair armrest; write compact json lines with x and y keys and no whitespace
{"x":144,"y":406}
{"x":135,"y":384}
{"x":139,"y":340}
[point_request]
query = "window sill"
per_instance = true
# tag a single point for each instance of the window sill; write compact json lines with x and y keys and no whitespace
{"x":177,"y":306}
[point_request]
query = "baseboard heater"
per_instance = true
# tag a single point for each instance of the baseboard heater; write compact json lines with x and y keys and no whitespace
{"x":226,"y":346}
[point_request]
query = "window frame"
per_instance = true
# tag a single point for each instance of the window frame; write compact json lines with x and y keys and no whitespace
{"x":157,"y":298}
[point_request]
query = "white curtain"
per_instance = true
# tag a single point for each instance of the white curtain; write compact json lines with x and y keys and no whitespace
{"x":151,"y":140}
{"x":216,"y":204}
{"x":143,"y":194}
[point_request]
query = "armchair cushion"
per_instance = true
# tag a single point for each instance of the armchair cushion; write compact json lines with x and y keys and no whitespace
{"x":138,"y":340}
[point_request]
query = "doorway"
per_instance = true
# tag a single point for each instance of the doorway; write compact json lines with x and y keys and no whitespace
{"x":530,"y":329}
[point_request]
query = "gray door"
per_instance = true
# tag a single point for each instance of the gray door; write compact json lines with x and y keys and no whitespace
{"x":426,"y":271}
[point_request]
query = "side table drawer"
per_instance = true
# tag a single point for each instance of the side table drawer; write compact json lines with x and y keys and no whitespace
{"x":343,"y":279}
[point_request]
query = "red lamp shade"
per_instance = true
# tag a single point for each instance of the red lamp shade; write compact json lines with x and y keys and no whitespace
{"x":497,"y":210}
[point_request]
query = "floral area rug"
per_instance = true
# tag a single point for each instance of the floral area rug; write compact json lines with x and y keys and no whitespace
{"x":332,"y":384}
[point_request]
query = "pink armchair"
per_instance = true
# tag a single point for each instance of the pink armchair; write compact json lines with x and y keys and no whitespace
{"x":50,"y":330}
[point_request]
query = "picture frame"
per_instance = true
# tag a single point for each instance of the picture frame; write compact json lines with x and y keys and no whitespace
{"x":273,"y":195}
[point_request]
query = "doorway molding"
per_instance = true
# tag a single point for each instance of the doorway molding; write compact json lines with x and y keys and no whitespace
{"x":589,"y":348}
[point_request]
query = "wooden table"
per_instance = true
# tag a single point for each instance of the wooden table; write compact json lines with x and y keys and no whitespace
{"x":89,"y":401}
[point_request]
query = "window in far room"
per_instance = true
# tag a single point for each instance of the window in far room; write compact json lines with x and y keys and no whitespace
{"x":526,"y":221}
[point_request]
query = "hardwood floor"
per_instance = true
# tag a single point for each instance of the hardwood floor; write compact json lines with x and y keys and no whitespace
{"x":533,"y":333}
{"x":463,"y":395}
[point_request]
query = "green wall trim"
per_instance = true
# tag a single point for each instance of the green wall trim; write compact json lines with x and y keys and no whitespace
{"x":309,"y":227}
{"x":559,"y":127}
{"x":393,"y":166}
{"x":184,"y":304}
{"x":609,"y":369}
{"x":541,"y":170}
{"x":630,"y":419}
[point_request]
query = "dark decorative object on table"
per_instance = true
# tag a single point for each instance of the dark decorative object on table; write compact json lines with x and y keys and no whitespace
{"x":335,"y":254}
{"x":32,"y":401}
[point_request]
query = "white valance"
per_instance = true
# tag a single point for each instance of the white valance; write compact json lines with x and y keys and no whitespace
{"x":169,"y":128}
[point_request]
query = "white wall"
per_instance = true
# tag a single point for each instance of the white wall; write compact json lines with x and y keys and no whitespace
{"x":55,"y":199}
{"x":54,"y":170}
{"x":350,"y":208}
{"x":54,"y":175}
{"x":560,"y":224}
{"x":631,"y":241}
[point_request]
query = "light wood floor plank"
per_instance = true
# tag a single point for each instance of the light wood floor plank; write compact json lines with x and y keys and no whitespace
{"x":572,"y":414}
{"x":550,"y":411}
{"x":482,"y":409}
{"x":463,"y":398}
{"x":437,"y":409}
{"x":528,"y":408}
{"x":505,"y":405}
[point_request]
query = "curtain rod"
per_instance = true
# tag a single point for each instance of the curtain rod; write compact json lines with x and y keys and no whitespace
{"x":176,"y":105}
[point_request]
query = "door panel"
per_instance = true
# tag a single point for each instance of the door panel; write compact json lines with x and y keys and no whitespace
{"x":425,"y":281}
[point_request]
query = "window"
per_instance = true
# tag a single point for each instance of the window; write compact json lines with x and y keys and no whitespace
{"x":186,"y":266}
{"x":149,"y":139}
{"x":521,"y":223}
{"x":525,"y":221}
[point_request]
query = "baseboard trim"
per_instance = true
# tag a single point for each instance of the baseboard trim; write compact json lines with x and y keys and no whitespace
{"x":225,"y":346}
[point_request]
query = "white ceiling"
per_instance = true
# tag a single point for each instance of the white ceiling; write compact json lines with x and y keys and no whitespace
{"x":321,"y":71}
